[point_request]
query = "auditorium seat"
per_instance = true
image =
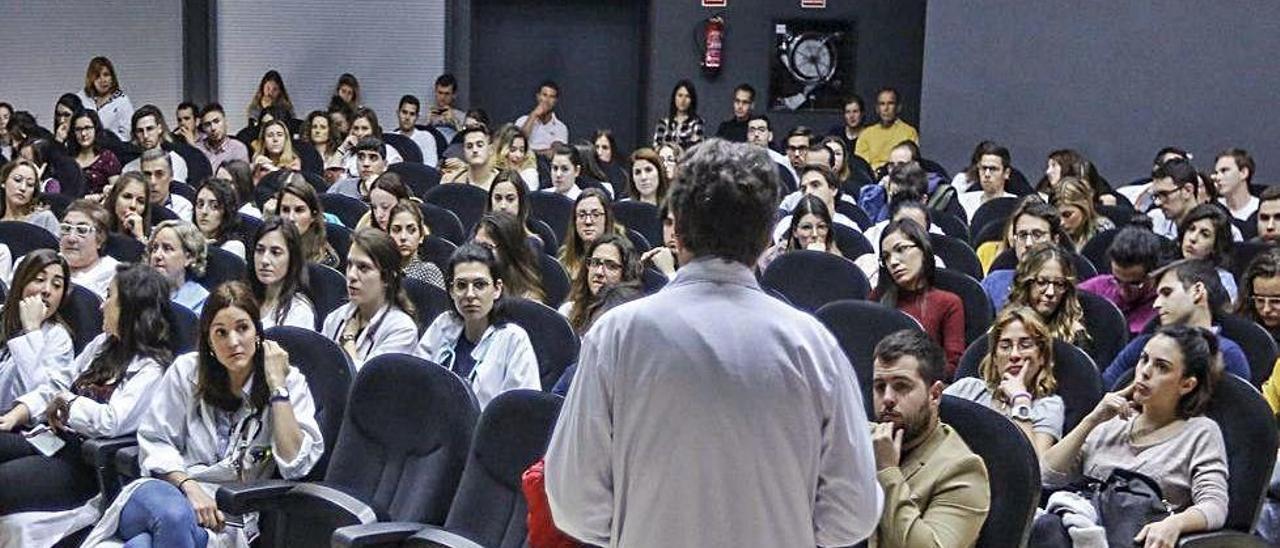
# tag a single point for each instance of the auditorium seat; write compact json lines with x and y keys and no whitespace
{"x":810,"y":279}
{"x":641,"y":217}
{"x":858,"y":326}
{"x":1079,"y":383}
{"x":552,"y":338}
{"x":329,"y":374}
{"x":221,"y":266}
{"x":443,"y":223}
{"x":978,"y":312}
{"x":23,"y":237}
{"x":348,"y":210}
{"x":328,"y":290}
{"x":465,"y":201}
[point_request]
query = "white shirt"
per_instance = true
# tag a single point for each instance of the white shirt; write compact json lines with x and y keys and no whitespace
{"x":236,"y":247}
{"x":973,"y":199}
{"x":1164,"y":226}
{"x":504,"y":356}
{"x":1242,"y":214}
{"x":782,"y":160}
{"x":426,"y":142}
{"x":711,"y":414}
{"x":541,"y":135}
{"x":180,"y":206}
{"x":98,"y":277}
{"x":572,"y":194}
{"x":30,"y":357}
{"x":301,"y":314}
{"x":390,"y":330}
{"x":179,"y":166}
{"x":116,"y":115}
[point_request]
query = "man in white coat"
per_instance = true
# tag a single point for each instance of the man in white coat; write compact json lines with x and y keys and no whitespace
{"x":711,"y":414}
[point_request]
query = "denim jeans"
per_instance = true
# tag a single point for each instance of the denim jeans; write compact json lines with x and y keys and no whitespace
{"x":158,"y":514}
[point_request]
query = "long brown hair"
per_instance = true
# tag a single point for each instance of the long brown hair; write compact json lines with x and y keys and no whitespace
{"x":142,"y":294}
{"x":574,"y":247}
{"x":1062,"y":322}
{"x":522,"y":279}
{"x":1044,"y":384}
{"x":213,"y":383}
{"x":31,"y":266}
{"x":315,"y":247}
{"x":580,"y":294}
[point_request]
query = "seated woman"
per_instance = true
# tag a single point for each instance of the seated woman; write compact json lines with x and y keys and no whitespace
{"x":217,"y":217}
{"x":129,"y":206}
{"x":385,"y":192}
{"x":1073,"y":198}
{"x":408,"y":231}
{"x":670,"y":154}
{"x":99,"y":165}
{"x":240,"y":174}
{"x":1045,"y":281}
{"x":611,"y":161}
{"x":235,"y":411}
{"x":1032,"y":222}
{"x":475,"y":340}
{"x":810,"y":229}
{"x":104,"y":393}
{"x":278,"y":276}
{"x":648,"y":182}
{"x":20,"y":196}
{"x":34,"y":338}
{"x":1205,"y":233}
{"x":513,"y":154}
{"x":502,"y":234}
{"x":297,"y":201}
{"x":592,"y":218}
{"x":1017,"y":377}
{"x":81,"y":238}
{"x":507,"y":194}
{"x":276,"y":146}
{"x":178,"y":251}
{"x":1260,"y":292}
{"x":41,"y":152}
{"x":682,"y":125}
{"x":1155,"y":426}
{"x":611,"y":261}
{"x":906,"y":282}
{"x":378,"y":317}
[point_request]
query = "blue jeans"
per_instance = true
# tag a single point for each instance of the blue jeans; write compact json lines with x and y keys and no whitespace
{"x":158,"y":514}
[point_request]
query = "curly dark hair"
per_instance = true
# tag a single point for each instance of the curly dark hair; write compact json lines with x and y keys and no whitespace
{"x":723,"y":198}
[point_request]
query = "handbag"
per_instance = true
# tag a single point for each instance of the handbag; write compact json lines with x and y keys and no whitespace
{"x":1126,"y":502}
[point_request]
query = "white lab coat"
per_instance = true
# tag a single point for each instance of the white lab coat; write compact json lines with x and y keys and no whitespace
{"x":711,"y":414}
{"x":181,"y":435}
{"x":30,"y":357}
{"x":301,"y":314}
{"x":504,"y":356}
{"x":390,"y":330}
{"x":116,"y":116}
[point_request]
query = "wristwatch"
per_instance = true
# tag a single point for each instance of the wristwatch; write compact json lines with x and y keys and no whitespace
{"x":281,"y":393}
{"x":1020,"y":412}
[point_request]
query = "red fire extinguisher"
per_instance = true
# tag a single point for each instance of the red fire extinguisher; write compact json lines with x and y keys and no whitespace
{"x":712,"y":44}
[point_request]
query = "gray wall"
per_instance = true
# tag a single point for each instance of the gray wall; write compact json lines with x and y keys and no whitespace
{"x":1116,"y":80}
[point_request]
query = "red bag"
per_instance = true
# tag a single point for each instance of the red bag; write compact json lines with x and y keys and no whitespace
{"x":542,"y":529}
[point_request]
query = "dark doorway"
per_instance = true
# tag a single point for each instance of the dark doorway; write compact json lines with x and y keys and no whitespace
{"x":591,"y":48}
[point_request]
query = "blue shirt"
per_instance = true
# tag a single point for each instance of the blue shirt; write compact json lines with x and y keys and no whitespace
{"x":463,"y":362}
{"x":191,"y":295}
{"x":1233,"y":360}
{"x":998,"y":284}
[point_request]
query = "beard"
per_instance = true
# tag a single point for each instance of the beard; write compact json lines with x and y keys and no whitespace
{"x":913,"y":425}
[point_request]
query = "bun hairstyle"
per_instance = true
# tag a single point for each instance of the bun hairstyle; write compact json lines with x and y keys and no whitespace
{"x":1202,"y":360}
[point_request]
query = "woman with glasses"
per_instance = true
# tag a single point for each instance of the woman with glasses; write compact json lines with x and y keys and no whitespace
{"x":1016,"y":377}
{"x":20,"y":196}
{"x":81,"y":237}
{"x":1260,"y":292}
{"x":810,"y":228}
{"x":669,"y":154}
{"x":100,"y":166}
{"x":611,"y":261}
{"x":475,"y":339}
{"x":1033,"y":222}
{"x":906,"y":283}
{"x":1045,"y":282}
{"x":592,"y":218}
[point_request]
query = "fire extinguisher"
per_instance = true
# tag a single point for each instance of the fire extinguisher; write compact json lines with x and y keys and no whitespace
{"x":712,"y":44}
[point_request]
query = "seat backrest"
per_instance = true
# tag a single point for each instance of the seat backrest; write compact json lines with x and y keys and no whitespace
{"x":810,"y":279}
{"x":992,"y":211}
{"x":339,"y":237}
{"x":1013,"y":470}
{"x":83,"y":311}
{"x":329,"y":375}
{"x":1096,"y":251}
{"x":513,"y":433}
{"x":198,"y":168}
{"x":436,"y":250}
{"x":57,"y":203}
{"x":1258,"y":346}
{"x":23,"y":237}
{"x":1107,"y":328}
{"x":123,"y":248}
{"x":349,"y":210}
{"x":550,"y":240}
{"x":1079,"y":383}
{"x":957,"y":255}
{"x":641,"y":217}
{"x":978,"y":312}
{"x":950,"y":225}
{"x":443,"y":223}
{"x":555,"y":281}
{"x":249,"y":226}
{"x":409,"y":151}
{"x":638,"y":241}
{"x":1018,"y":185}
{"x":553,"y":339}
{"x":222,"y":266}
{"x":184,"y":329}
{"x":183,"y":189}
{"x":854,"y":213}
{"x":991,"y":232}
{"x":553,"y":209}
{"x":652,"y":280}
{"x":328,"y":290}
{"x":858,"y":327}
{"x":403,"y":456}
{"x":465,"y":201}
{"x":309,"y":157}
{"x":852,"y":244}
{"x":428,"y":300}
{"x":1243,"y":253}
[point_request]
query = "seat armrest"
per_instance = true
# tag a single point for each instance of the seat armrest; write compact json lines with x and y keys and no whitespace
{"x":1224,"y":538}
{"x":374,"y":534}
{"x":240,"y":498}
{"x":321,"y":499}
{"x":100,"y":452}
{"x":126,"y":462}
{"x":435,"y":536}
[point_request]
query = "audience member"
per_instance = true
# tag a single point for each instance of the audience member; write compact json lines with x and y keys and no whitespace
{"x":407,"y":116}
{"x":1139,"y":192}
{"x":808,"y":227}
{"x":378,"y":317}
{"x":850,"y":176}
{"x":1154,"y":426}
{"x":1045,"y":281}
{"x":599,"y":479}
{"x":66,"y":105}
{"x":1233,"y":171}
{"x":820,"y":182}
{"x":1073,"y":198}
{"x":278,"y":276}
{"x":43,"y":154}
{"x":1173,"y":189}
{"x":478,"y":167}
{"x":1269,"y":215}
{"x":906,"y":282}
{"x":271,"y":94}
{"x":216,"y":216}
{"x":129,"y":207}
{"x":408,"y":231}
{"x":993,"y":170}
{"x":273,"y":149}
{"x":1187,"y":293}
{"x":592,"y":218}
{"x":1016,"y":377}
{"x":81,"y":239}
{"x":364,"y":124}
{"x":759,"y":133}
{"x":503,"y":234}
{"x":735,"y":128}
{"x":186,"y":123}
{"x":250,"y":198}
{"x":100,"y":166}
{"x":340,"y":115}
{"x":670,"y":153}
{"x":443,"y":115}
{"x":178,"y":250}
{"x":909,"y":178}
{"x":370,"y":156}
{"x":1205,"y":234}
{"x":297,"y":202}
{"x":317,"y":131}
{"x":20,"y":196}
{"x":475,"y":339}
{"x":158,"y":170}
{"x":875,"y":141}
{"x":850,"y":126}
{"x":348,"y":90}
{"x":1134,"y":254}
{"x":35,"y":336}
{"x":935,"y":488}
{"x":102,"y":94}
{"x":513,"y":154}
{"x":612,"y":260}
{"x":648,"y":182}
{"x":508,"y":194}
{"x":541,"y":124}
{"x":664,"y":258}
{"x":1033,"y":222}
{"x":798,"y":142}
{"x":387,"y":190}
{"x":150,"y":133}
{"x":610,"y":159}
{"x":682,"y":125}
{"x":565,"y":168}
{"x":1260,"y":292}
{"x":6,"y":140}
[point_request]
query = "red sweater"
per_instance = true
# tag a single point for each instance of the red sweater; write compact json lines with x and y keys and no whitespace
{"x":941,"y":314}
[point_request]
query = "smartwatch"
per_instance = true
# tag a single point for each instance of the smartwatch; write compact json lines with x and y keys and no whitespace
{"x":1020,"y":412}
{"x":279,"y":394}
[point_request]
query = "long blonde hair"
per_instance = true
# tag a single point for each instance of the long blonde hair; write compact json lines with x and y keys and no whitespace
{"x":1069,"y":314}
{"x":1075,"y":192}
{"x":287,"y":155}
{"x":1044,"y":384}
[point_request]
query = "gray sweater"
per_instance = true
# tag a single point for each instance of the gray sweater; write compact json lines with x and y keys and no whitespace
{"x":1190,"y":464}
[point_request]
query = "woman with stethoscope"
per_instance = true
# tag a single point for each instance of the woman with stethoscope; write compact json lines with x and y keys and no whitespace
{"x":378,"y":319}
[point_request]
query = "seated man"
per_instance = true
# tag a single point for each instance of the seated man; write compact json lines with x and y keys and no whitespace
{"x":159,"y":174}
{"x":994,"y":169}
{"x":151,"y":133}
{"x":1188,"y":292}
{"x":819,"y":181}
{"x":475,"y":169}
{"x":936,"y":491}
{"x":370,"y":155}
{"x":1232,"y":173}
{"x":759,"y":133}
{"x":1134,"y":254}
{"x":407,"y":118}
{"x":876,"y":141}
{"x":1269,"y":215}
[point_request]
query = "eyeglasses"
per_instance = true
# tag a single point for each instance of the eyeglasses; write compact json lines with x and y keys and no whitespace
{"x":899,"y":251}
{"x":611,"y":266}
{"x":461,"y":286}
{"x":1264,"y":301}
{"x":1163,"y":195}
{"x":68,"y":229}
{"x":590,"y":215}
{"x":84,"y":129}
{"x":1006,"y":346}
{"x":1030,"y":236}
{"x":1058,"y":284}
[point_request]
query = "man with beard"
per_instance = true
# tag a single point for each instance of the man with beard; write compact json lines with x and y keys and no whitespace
{"x":935,"y":489}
